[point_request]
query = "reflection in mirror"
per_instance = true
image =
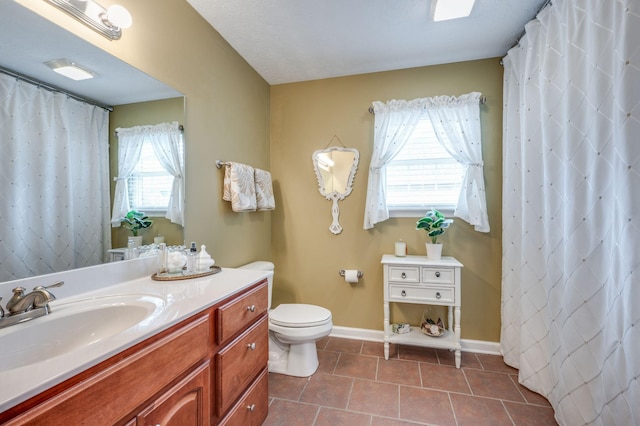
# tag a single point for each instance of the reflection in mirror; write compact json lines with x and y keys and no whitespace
{"x":335,"y":170}
{"x":29,"y":41}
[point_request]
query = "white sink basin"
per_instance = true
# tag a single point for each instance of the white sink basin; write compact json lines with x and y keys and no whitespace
{"x":74,"y":325}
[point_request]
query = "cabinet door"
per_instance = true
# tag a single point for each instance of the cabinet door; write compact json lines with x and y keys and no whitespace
{"x":185,"y":404}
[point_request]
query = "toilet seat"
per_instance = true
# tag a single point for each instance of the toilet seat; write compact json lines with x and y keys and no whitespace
{"x":299,"y":315}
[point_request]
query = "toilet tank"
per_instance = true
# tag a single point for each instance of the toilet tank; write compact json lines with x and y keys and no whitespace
{"x":262,"y":265}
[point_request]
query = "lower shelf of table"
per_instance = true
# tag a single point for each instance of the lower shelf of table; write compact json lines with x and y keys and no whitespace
{"x":417,"y":338}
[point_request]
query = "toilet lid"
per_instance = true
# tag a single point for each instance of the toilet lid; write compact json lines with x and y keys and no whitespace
{"x":299,"y":315}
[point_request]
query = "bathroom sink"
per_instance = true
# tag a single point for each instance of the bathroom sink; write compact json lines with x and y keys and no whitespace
{"x":74,"y":325}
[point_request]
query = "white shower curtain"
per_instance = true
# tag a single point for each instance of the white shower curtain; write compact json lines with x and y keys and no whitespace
{"x":571,"y":210}
{"x":54,"y":181}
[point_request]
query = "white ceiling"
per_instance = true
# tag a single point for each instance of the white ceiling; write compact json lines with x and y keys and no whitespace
{"x":296,"y":40}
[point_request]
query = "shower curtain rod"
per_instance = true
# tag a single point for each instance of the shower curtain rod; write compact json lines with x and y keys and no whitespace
{"x":483,"y":100}
{"x":53,"y":88}
{"x":524,"y":32}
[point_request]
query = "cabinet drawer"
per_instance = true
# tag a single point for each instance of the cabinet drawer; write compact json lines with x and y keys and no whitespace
{"x":236,"y":315}
{"x":438,"y":275}
{"x":434,"y":295}
{"x":239,"y":363}
{"x":405,"y":274}
{"x":253,"y":407}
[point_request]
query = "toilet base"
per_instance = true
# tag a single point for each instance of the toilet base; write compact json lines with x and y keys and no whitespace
{"x":297,"y":359}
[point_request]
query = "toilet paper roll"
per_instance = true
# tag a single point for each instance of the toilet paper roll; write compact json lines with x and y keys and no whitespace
{"x":351,"y":275}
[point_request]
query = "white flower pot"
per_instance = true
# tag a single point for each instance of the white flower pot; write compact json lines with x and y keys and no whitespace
{"x":137,"y":240}
{"x":434,"y":251}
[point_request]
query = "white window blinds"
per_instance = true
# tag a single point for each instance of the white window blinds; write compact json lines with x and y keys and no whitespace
{"x":423,"y":175}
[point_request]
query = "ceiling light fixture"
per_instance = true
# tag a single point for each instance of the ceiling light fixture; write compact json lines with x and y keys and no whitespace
{"x":69,"y":69}
{"x":443,"y":10}
{"x":108,"y":22}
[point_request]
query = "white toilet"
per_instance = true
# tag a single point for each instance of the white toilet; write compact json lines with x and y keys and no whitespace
{"x":293,"y":332}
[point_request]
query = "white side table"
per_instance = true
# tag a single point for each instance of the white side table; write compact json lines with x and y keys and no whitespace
{"x":418,"y":280}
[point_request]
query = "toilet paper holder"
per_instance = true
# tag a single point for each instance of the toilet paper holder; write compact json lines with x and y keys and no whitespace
{"x":341,"y":273}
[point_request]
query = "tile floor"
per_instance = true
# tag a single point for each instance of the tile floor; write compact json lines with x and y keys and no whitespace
{"x":355,"y":385}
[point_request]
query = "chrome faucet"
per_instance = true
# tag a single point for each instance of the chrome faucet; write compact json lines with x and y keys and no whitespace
{"x":23,"y":307}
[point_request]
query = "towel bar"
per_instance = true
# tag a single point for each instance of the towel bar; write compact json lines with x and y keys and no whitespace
{"x":220,"y":163}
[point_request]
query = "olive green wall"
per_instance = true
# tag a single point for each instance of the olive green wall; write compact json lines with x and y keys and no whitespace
{"x":226,"y":113}
{"x":141,"y":114}
{"x":304,"y":117}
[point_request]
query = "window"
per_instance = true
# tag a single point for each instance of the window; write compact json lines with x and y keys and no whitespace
{"x":150,"y":184}
{"x":423,"y":175}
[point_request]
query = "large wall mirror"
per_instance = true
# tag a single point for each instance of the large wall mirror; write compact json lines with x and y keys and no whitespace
{"x":27,"y":41}
{"x":335,"y":169}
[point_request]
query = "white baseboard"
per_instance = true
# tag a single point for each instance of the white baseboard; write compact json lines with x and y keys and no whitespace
{"x":477,"y":346}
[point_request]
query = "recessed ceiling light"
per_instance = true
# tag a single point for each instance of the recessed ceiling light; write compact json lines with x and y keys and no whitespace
{"x":69,"y":69}
{"x":443,"y":10}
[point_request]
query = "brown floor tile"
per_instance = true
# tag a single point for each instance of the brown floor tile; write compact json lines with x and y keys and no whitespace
{"x":530,"y":396}
{"x":383,"y":421}
{"x":359,"y":366}
{"x":322,"y":343}
{"x":375,"y":398}
{"x":476,"y":411}
{"x":495,"y":363}
{"x":290,"y":413}
{"x":355,"y":385}
{"x":443,"y":377}
{"x":425,"y":405}
{"x":344,"y":345}
{"x":328,"y":361}
{"x":286,"y":387}
{"x":417,"y":353}
{"x":331,"y":417}
{"x":530,"y":415}
{"x":493,"y":385}
{"x":377,"y":349}
{"x":327,"y":390}
{"x":400,"y":372}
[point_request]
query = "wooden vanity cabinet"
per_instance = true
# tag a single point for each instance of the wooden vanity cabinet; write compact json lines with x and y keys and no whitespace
{"x":187,"y":403}
{"x":181,"y":376}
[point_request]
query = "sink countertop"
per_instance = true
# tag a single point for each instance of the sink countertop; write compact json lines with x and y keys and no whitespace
{"x":182,"y":298}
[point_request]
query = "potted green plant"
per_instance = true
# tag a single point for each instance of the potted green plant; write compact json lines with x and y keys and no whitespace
{"x":135,"y":221}
{"x":434,"y":223}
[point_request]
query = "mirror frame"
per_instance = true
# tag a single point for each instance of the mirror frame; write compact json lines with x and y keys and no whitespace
{"x":335,"y":196}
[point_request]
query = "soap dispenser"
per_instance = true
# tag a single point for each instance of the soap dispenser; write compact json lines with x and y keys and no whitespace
{"x":192,"y":259}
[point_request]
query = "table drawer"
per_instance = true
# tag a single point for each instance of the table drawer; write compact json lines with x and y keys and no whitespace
{"x":434,"y":295}
{"x":239,"y":313}
{"x":405,"y":274}
{"x":438,"y":275}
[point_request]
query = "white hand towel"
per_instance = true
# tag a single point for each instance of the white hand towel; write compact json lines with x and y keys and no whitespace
{"x":264,"y":190}
{"x":239,"y":187}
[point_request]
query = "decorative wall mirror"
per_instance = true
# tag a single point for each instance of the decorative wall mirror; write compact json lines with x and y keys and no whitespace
{"x":335,"y":169}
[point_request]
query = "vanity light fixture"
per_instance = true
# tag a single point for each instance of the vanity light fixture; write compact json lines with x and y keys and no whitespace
{"x":108,"y":22}
{"x":69,"y":69}
{"x":443,"y":10}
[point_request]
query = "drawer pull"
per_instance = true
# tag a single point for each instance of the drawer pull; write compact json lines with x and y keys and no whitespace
{"x":437,"y":274}
{"x":252,"y":346}
{"x":251,"y":308}
{"x":438,"y":295}
{"x":251,"y":407}
{"x":403,"y":275}
{"x":404,"y":293}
